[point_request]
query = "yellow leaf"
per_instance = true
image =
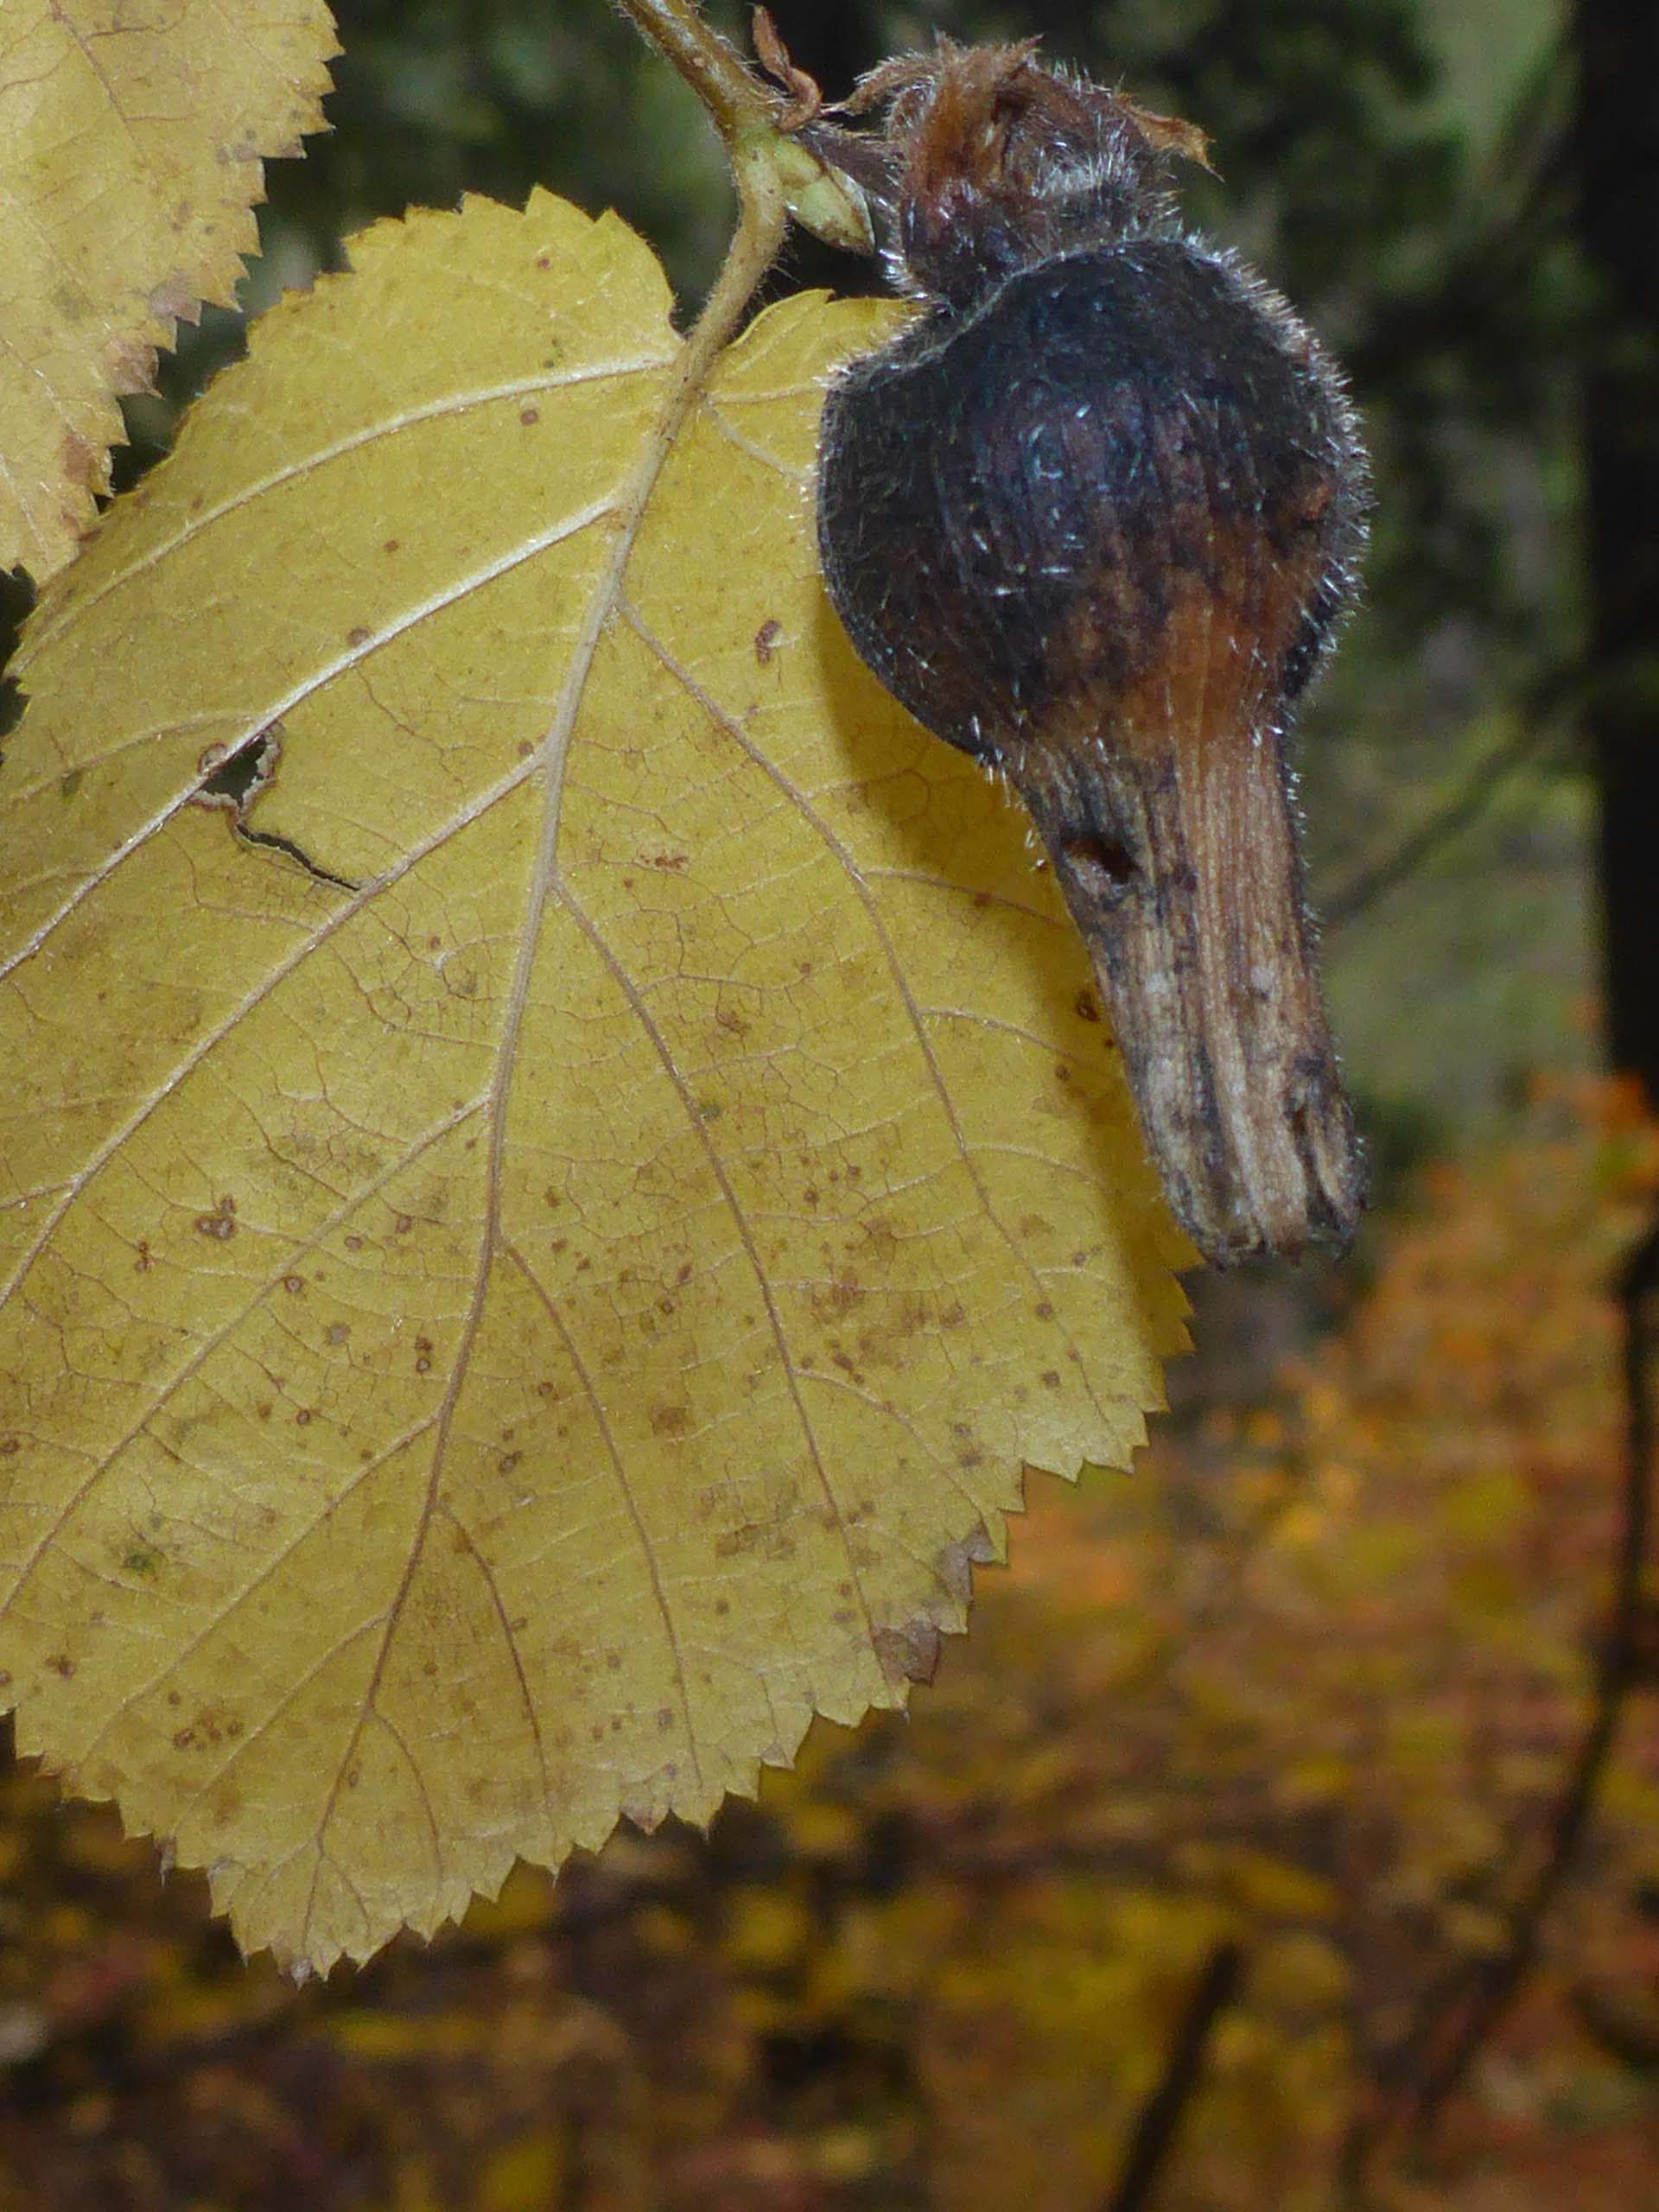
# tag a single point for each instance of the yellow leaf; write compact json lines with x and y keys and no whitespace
{"x":130,"y":141}
{"x":546,"y":1272}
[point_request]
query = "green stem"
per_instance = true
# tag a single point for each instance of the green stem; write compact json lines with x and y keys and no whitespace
{"x":745,"y":111}
{"x":762,"y":219}
{"x":735,"y":99}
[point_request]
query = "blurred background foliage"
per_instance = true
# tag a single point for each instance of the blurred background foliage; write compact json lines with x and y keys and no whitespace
{"x":1285,"y":1718}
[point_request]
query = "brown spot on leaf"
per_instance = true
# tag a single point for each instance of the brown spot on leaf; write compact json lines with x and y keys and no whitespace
{"x":221,"y":1223}
{"x":958,"y":1560}
{"x":175,"y":298}
{"x":131,"y":364}
{"x":766,"y":1538}
{"x":844,"y":1292}
{"x":766,"y":639}
{"x":82,"y":463}
{"x":910,"y":1654}
{"x":212,"y":1724}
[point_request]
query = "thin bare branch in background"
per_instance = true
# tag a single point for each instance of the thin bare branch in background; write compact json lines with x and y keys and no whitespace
{"x":1561,"y":695}
{"x":1374,"y":883}
{"x":1158,"y":2129}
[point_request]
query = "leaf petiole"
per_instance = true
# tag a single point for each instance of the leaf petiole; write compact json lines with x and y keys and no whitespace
{"x":751,"y":117}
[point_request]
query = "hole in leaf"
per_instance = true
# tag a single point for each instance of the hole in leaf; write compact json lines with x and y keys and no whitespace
{"x":237,"y":781}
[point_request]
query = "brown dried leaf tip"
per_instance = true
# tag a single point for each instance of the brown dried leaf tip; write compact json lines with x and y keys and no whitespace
{"x":1095,"y":517}
{"x":804,"y":98}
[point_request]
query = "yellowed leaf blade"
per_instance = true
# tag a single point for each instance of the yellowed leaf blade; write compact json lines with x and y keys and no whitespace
{"x":503,"y":1345}
{"x":130,"y":145}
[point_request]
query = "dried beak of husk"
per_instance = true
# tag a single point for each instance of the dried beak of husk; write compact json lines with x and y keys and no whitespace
{"x":1180,"y":868}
